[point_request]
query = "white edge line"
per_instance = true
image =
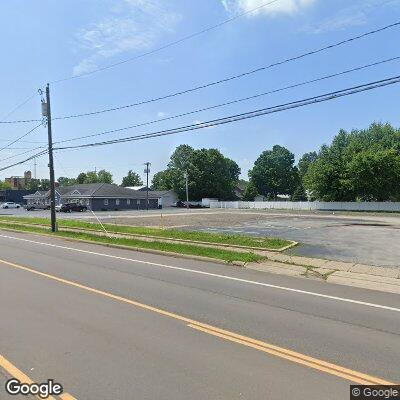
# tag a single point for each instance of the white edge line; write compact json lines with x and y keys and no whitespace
{"x":325,"y":296}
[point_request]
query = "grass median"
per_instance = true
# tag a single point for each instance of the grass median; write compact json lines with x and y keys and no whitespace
{"x":178,"y":248}
{"x":264,"y":243}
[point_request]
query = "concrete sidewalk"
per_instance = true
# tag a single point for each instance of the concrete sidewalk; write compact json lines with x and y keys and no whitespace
{"x":344,"y":273}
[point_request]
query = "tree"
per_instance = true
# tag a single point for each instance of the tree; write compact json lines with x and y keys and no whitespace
{"x":250,"y":192}
{"x":181,"y":157}
{"x":64,"y":181}
{"x":102,"y":176}
{"x":274,"y":172}
{"x":132,"y":179}
{"x":305,"y":161}
{"x":300,"y":193}
{"x":5,"y":185}
{"x":210,"y":174}
{"x":325,"y":177}
{"x":163,"y":180}
{"x":375,"y":175}
{"x":91,"y":177}
{"x":81,"y":178}
{"x":43,"y":184}
{"x":359,"y":165}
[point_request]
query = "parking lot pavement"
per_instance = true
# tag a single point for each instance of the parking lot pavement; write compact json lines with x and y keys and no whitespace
{"x":355,"y":237}
{"x":361,"y":243}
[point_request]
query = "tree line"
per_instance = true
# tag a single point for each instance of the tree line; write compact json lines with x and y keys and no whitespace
{"x":360,"y":165}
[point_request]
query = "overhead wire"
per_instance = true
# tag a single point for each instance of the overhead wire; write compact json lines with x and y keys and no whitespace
{"x":183,"y":39}
{"x":17,"y":107}
{"x":233,"y":77}
{"x":25,"y":152}
{"x":233,"y":101}
{"x":233,"y":118}
{"x":247,"y":115}
{"x":23,"y":161}
{"x":21,"y":137}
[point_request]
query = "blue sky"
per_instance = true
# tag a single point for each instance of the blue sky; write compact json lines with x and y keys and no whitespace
{"x":50,"y":40}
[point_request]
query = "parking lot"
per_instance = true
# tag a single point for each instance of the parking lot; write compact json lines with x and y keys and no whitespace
{"x":358,"y":237}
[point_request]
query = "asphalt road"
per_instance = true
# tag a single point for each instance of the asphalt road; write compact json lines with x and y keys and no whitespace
{"x":113,"y":324}
{"x":365,"y":238}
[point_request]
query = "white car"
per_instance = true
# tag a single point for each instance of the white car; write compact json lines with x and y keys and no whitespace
{"x":10,"y":204}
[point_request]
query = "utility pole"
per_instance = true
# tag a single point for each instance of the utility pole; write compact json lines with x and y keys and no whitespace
{"x":34,"y":168}
{"x":51,"y":162}
{"x":186,"y":176}
{"x":147,"y":171}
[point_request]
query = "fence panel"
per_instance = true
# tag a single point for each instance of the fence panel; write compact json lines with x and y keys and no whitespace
{"x":308,"y":205}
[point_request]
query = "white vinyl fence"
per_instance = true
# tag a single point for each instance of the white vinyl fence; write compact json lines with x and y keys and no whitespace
{"x":309,"y":205}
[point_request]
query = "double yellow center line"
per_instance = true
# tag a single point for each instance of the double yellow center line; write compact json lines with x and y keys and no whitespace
{"x":283,"y":353}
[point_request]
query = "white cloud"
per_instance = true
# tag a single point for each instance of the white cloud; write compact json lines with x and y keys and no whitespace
{"x":162,"y":114}
{"x":356,"y":14}
{"x":131,"y":25}
{"x":339,"y":22}
{"x":279,"y":7}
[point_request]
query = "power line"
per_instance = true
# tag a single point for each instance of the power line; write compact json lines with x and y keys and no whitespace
{"x":233,"y":77}
{"x":247,"y":115}
{"x":24,"y":161}
{"x":233,"y":118}
{"x":18,"y":106}
{"x":20,"y":121}
{"x":185,"y":38}
{"x":20,"y":154}
{"x":233,"y":101}
{"x":24,"y":141}
{"x":21,"y":137}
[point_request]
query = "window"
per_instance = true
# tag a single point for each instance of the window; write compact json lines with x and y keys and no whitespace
{"x":106,"y":202}
{"x":128,"y":201}
{"x":117,"y":202}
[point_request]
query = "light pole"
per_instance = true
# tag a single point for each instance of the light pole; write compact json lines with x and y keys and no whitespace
{"x":186,"y":176}
{"x":147,"y":171}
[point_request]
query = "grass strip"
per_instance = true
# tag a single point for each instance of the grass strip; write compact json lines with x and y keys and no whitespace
{"x":265,"y":243}
{"x":188,"y":249}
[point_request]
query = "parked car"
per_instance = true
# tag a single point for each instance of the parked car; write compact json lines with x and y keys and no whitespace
{"x":69,"y":207}
{"x":10,"y":204}
{"x":183,"y":204}
{"x":58,"y":207}
{"x":31,"y":207}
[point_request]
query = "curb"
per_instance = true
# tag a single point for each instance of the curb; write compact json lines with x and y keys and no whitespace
{"x":137,"y":249}
{"x":172,"y":240}
{"x":343,"y":274}
{"x":347,"y":278}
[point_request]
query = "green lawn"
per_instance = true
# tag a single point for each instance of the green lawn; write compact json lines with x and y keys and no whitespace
{"x":180,"y":248}
{"x":228,"y":239}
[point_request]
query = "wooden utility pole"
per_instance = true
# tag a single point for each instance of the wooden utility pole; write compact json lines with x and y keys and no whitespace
{"x":51,"y":163}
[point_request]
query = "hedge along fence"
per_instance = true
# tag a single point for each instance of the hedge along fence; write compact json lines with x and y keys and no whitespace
{"x":309,"y":205}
